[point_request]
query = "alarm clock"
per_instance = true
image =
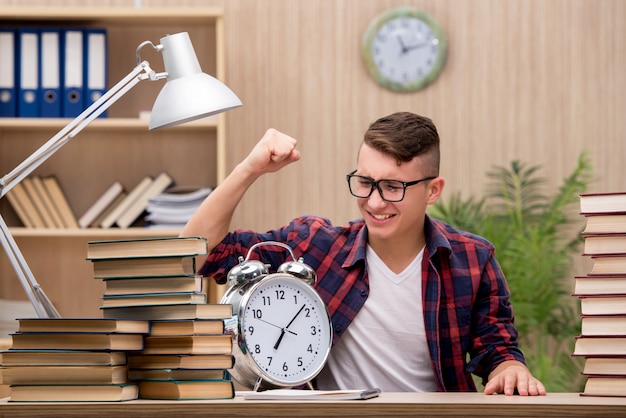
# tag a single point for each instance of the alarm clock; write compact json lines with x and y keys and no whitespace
{"x":283,"y":333}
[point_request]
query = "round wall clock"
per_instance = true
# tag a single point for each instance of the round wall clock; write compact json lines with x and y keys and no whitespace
{"x":404,"y":49}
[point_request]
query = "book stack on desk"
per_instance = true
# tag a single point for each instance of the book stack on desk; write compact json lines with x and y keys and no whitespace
{"x":71,"y":359}
{"x":602,"y":295}
{"x":148,"y":272}
{"x":189,"y":348}
{"x":186,"y":359}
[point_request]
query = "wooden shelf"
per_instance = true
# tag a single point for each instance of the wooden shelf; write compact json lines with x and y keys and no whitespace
{"x":109,"y":15}
{"x":99,"y":233}
{"x":119,"y":147}
{"x":102,"y":123}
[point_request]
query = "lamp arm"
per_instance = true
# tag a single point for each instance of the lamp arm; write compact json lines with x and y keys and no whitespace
{"x":43,"y":306}
{"x":70,"y":130}
{"x":39,"y":300}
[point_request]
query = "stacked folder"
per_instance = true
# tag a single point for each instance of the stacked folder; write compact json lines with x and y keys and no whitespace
{"x":51,"y":72}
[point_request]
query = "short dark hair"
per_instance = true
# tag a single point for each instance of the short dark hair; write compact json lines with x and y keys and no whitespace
{"x":404,"y":136}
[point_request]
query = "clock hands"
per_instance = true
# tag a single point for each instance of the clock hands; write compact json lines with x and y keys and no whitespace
{"x":286,"y":329}
{"x":417,"y":46}
{"x":406,"y":49}
{"x":274,"y":325}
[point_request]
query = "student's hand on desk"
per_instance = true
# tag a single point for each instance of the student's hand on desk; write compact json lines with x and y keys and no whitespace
{"x":511,"y":375}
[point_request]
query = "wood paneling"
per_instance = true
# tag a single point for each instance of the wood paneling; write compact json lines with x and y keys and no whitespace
{"x":533,"y":80}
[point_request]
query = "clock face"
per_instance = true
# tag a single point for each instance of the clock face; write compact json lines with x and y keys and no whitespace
{"x":287,"y":330}
{"x":404,"y":49}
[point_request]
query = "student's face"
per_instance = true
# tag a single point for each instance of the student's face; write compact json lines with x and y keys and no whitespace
{"x":395,"y":220}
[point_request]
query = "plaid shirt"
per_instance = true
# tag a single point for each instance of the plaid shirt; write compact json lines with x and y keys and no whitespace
{"x":465,"y":295}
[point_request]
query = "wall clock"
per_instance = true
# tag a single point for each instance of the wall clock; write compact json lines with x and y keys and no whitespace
{"x":404,"y":49}
{"x":284,"y":332}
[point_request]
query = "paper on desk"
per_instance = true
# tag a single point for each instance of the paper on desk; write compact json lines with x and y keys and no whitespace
{"x":312,"y":395}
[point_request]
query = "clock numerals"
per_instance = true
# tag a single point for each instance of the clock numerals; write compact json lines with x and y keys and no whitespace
{"x":284,"y":330}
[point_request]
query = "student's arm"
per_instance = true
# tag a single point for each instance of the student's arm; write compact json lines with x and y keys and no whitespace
{"x":212,"y":219}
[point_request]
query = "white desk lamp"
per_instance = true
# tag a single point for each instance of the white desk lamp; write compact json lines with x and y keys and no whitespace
{"x":188,"y":94}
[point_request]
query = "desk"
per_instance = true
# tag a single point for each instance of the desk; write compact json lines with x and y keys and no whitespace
{"x":386,"y":405}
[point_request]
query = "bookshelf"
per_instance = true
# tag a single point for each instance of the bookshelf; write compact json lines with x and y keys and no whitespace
{"x":119,"y":147}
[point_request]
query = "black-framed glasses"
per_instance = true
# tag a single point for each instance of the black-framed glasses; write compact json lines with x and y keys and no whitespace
{"x":390,"y":190}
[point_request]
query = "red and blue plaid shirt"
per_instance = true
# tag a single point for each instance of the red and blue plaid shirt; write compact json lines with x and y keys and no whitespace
{"x":467,"y":315}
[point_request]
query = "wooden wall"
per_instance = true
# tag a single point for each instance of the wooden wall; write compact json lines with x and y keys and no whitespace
{"x":535,"y":80}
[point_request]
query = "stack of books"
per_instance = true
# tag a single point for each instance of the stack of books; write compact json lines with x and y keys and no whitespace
{"x":174,"y":207}
{"x":189,"y":348}
{"x":602,"y":295}
{"x":150,"y":271}
{"x":186,"y":358}
{"x":72,"y":359}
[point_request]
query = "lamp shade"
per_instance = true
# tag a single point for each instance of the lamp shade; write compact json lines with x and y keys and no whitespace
{"x":188,"y":94}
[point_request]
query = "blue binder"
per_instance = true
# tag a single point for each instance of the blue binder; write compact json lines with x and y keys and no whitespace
{"x":8,"y":103}
{"x":50,"y":71}
{"x":72,"y":103}
{"x":28,"y":72}
{"x":95,"y":54}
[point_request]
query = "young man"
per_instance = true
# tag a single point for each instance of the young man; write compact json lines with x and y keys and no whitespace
{"x":410,"y":297}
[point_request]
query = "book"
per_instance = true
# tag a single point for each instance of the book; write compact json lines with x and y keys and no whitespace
{"x":153,"y":299}
{"x":175,"y":206}
{"x":147,"y":247}
{"x":77,"y":341}
{"x":60,"y":201}
{"x":115,"y":286}
{"x":605,"y":386}
{"x":176,"y":374}
{"x":607,"y":202}
{"x":176,"y":311}
{"x":600,"y":345}
{"x":73,"y":393}
{"x":181,"y":361}
{"x":602,"y":304}
{"x":605,"y":224}
{"x":186,"y":389}
{"x":17,"y":198}
{"x":38,"y":202}
{"x":188,"y":344}
{"x":187,"y":327}
{"x":101,"y":204}
{"x":61,"y":358}
{"x":62,"y":375}
{"x":180,"y":196}
{"x":144,"y":267}
{"x":32,"y":214}
{"x":83,"y":325}
{"x":604,"y":366}
{"x":608,"y":265}
{"x":597,"y":325}
{"x":107,"y":211}
{"x":600,"y":285}
{"x":312,"y":395}
{"x":138,"y":206}
{"x":122,"y":206}
{"x":50,"y":211}
{"x":604,"y":244}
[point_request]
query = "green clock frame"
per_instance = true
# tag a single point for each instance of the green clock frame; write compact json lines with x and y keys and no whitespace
{"x":369,"y":58}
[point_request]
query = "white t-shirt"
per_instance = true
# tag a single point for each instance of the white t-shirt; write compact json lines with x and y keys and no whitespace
{"x":385,"y":345}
